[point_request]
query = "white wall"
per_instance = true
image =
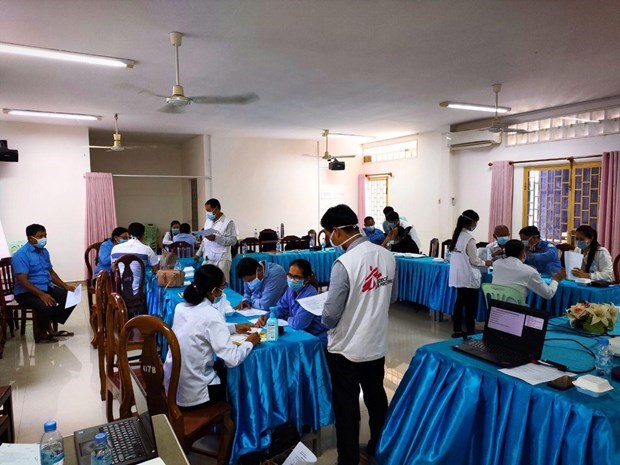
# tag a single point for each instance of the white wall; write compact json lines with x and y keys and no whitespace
{"x":474,"y":174}
{"x":197,"y":162}
{"x":47,"y":187}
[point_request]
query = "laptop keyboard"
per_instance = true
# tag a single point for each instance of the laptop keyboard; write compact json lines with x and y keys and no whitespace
{"x":490,"y":348}
{"x":126,"y":442}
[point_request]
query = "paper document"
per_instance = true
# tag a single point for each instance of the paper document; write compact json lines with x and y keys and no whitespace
{"x":301,"y":455}
{"x":408,"y":254}
{"x":155,"y":461}
{"x":281,"y":322}
{"x":535,"y":374}
{"x":314,"y":304}
{"x":19,"y":454}
{"x":572,"y":260}
{"x":74,"y":298}
{"x":206,"y":232}
{"x":238,"y":339}
{"x":252,"y":312}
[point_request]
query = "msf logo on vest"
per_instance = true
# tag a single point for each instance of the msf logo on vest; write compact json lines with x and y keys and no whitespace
{"x":375,"y":280}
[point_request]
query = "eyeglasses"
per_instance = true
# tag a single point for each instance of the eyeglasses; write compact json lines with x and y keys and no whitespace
{"x":292,"y":276}
{"x":221,"y":288}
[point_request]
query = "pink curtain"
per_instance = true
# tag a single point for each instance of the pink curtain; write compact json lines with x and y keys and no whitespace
{"x":501,"y":196}
{"x":609,"y":215}
{"x":361,"y":198}
{"x":100,"y":207}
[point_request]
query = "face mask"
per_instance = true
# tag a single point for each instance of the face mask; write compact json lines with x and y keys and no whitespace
{"x":211,"y":215}
{"x":391,"y":226}
{"x":175,"y":231}
{"x":254,"y":284}
{"x":370,"y":229}
{"x":526,"y":243}
{"x":295,"y":284}
{"x":122,"y":239}
{"x":502,"y":240}
{"x":40,"y":242}
{"x":339,"y":247}
{"x":473,"y":229}
{"x":216,"y":300}
{"x":583,"y":244}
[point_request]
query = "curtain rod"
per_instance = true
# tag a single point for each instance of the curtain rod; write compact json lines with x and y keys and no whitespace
{"x":378,"y":174}
{"x":158,"y":176}
{"x":551,"y":159}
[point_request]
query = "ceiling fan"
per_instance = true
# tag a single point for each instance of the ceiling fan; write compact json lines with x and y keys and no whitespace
{"x":178,"y":102}
{"x":499,"y":126}
{"x":327,"y":156}
{"x":117,"y":146}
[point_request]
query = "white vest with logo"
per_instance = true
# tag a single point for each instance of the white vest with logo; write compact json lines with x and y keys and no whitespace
{"x":212,"y":250}
{"x":462,"y":273}
{"x":361,"y":333}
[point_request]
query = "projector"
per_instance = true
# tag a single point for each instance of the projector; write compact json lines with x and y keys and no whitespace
{"x":336,"y":165}
{"x":6,"y":154}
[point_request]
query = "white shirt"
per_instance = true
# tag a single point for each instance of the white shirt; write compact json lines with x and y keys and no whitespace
{"x":167,"y":240}
{"x":202,"y":333}
{"x":412,"y":233}
{"x":493,"y":247}
{"x":135,"y":247}
{"x":511,"y":271}
{"x":226,"y":236}
{"x":464,"y":262}
{"x":602,"y":267}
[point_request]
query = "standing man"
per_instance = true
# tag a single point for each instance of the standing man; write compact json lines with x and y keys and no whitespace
{"x":215,"y":248}
{"x":356,"y":313}
{"x":37,"y":286}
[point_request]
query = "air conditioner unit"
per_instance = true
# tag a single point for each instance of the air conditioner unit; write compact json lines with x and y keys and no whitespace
{"x":473,"y":139}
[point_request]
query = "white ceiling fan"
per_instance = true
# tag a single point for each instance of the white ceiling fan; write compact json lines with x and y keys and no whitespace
{"x":117,"y":146}
{"x":327,"y":156}
{"x":178,"y":102}
{"x":499,"y":126}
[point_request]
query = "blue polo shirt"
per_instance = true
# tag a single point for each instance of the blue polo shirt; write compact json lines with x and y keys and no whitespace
{"x":104,"y":257}
{"x":376,"y":236}
{"x":270,"y":290}
{"x":545,"y":258}
{"x":297,"y":316}
{"x":35,"y":263}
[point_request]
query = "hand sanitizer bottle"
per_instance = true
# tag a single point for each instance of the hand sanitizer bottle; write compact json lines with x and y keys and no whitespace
{"x":272,"y":326}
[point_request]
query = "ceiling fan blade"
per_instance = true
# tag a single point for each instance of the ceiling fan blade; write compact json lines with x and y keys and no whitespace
{"x":104,"y":147}
{"x":173,"y":109}
{"x":344,"y":156}
{"x":241,"y":99}
{"x":350,"y":135}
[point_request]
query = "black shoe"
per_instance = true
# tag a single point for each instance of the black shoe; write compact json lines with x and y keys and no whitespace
{"x":457,"y":334}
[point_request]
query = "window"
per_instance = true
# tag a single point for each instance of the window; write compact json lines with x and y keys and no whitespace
{"x":391,"y":152}
{"x":560,"y":198}
{"x":376,"y":196}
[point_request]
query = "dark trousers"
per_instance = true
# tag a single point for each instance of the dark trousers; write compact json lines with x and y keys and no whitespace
{"x":347,"y":377}
{"x":56,"y":314}
{"x":468,"y":298}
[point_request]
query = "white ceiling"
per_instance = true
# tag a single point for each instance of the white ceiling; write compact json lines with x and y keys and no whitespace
{"x":374,"y":67}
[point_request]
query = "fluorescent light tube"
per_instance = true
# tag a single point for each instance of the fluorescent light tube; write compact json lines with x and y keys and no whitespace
{"x":51,"y":114}
{"x":474,"y":107}
{"x":39,"y":52}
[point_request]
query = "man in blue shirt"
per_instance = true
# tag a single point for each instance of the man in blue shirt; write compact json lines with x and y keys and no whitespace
{"x":540,"y":254}
{"x":104,"y":259}
{"x":373,"y":234}
{"x":264,"y":283}
{"x":185,"y":235}
{"x":38,"y":287}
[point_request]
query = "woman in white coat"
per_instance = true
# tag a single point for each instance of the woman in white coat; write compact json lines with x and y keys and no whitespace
{"x":597,"y":262}
{"x":464,"y":273}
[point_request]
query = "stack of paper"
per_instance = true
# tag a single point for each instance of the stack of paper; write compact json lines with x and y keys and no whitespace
{"x":252,"y":312}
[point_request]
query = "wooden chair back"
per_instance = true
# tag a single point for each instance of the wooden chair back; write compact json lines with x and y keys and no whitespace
{"x":268,"y":239}
{"x":447,"y":242}
{"x":323,"y":235}
{"x":182,"y":249}
{"x":291,"y":242}
{"x":91,"y":257}
{"x":7,"y":286}
{"x":617,"y":268}
{"x":122,"y":283}
{"x":7,"y":281}
{"x":252,"y":244}
{"x":433,"y":251}
{"x":102,"y":297}
{"x":481,"y":244}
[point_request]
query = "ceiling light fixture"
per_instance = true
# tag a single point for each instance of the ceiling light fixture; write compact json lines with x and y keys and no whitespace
{"x":51,"y":114}
{"x":54,"y":54}
{"x":474,"y":107}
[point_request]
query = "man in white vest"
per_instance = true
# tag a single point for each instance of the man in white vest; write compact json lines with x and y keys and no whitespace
{"x":215,"y":248}
{"x":362,"y":286}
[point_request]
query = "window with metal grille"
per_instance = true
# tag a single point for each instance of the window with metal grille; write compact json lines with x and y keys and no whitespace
{"x":560,"y":198}
{"x":391,"y":152}
{"x":376,"y":197}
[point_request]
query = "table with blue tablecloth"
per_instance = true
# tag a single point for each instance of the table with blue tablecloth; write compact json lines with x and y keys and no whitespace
{"x":451,"y":408}
{"x":425,"y":281}
{"x":283,"y":381}
{"x":320,"y":260}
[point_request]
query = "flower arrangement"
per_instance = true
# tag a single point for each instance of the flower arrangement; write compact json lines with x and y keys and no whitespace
{"x":594,"y":318}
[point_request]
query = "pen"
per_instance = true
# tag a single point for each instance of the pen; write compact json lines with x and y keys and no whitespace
{"x":551,"y":363}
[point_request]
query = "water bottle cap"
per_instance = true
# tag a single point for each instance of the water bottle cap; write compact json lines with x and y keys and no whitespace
{"x":101,"y":437}
{"x":49,"y":426}
{"x":603,"y":341}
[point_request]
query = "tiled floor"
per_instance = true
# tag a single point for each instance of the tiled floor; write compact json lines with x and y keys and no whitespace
{"x":60,"y":381}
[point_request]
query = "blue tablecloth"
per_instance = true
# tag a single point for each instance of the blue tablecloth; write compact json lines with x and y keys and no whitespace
{"x":321,"y":262}
{"x":454,"y":409}
{"x":283,"y":381}
{"x":424,"y":281}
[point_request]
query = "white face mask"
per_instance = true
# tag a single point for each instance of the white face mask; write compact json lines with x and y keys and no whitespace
{"x":339,"y":246}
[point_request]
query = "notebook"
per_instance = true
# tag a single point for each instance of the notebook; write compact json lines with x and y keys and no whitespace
{"x":513,"y":335}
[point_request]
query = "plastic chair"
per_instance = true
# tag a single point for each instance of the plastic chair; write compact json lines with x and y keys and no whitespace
{"x":14,"y":246}
{"x":150,"y":236}
{"x":503,"y":293}
{"x":189,"y":425}
{"x":434,"y":248}
{"x":91,"y":257}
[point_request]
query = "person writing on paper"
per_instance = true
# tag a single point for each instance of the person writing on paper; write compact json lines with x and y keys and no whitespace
{"x":597,"y":263}
{"x":104,"y":260}
{"x":263,"y":283}
{"x":495,"y":249}
{"x":215,"y":248}
{"x":464,"y":273}
{"x":301,"y":283}
{"x":373,"y":234}
{"x":174,"y":230}
{"x":511,"y":271}
{"x":399,"y":240}
{"x":540,"y":254}
{"x":202,"y":333}
{"x":38,"y":287}
{"x":134,"y":246}
{"x":185,"y":235}
{"x":395,"y":220}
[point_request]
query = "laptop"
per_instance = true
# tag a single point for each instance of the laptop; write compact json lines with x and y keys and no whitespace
{"x":513,"y":335}
{"x":131,"y":440}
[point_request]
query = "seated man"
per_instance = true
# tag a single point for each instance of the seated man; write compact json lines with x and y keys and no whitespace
{"x":37,"y":286}
{"x":264,"y":283}
{"x":386,"y":224}
{"x":395,"y":220}
{"x":540,"y":254}
{"x":496,"y":248}
{"x":135,"y":247}
{"x":104,"y":261}
{"x":373,"y":234}
{"x":511,"y":271}
{"x":185,"y":235}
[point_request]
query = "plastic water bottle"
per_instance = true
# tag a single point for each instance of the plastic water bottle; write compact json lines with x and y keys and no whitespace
{"x":278,"y":246}
{"x":177,"y":265}
{"x":101,"y":454}
{"x":52,"y":446}
{"x":255,"y":233}
{"x":272,"y":326}
{"x":311,"y":241}
{"x":244,"y":248}
{"x":322,"y":242}
{"x":604,"y":357}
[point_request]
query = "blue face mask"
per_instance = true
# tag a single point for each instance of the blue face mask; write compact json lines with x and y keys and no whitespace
{"x":122,"y":240}
{"x":211,"y":215}
{"x":526,"y":243}
{"x":502,"y":240}
{"x":254,"y":284}
{"x":175,"y":231}
{"x":583,"y":245}
{"x":217,"y":299}
{"x":40,"y":242}
{"x":295,"y":284}
{"x":370,"y":229}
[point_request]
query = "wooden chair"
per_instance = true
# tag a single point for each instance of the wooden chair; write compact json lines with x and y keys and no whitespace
{"x":617,"y":268}
{"x":323,"y":235}
{"x":290,"y":242}
{"x":189,"y":425}
{"x":102,"y":298}
{"x":91,"y":257}
{"x":115,"y":319}
{"x":122,"y":283}
{"x":7,"y":420}
{"x":268,"y":239}
{"x":434,"y":248}
{"x":447,"y":242}
{"x":481,"y":244}
{"x":16,"y":314}
{"x":3,"y":324}
{"x":251,"y":243}
{"x":182,"y":249}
